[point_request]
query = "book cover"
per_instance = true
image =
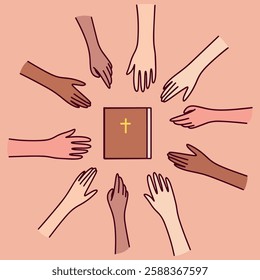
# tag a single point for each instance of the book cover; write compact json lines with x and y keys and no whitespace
{"x":127,"y":133}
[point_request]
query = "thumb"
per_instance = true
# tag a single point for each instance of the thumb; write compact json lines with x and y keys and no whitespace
{"x":89,"y":195}
{"x":193,"y":149}
{"x":187,"y":93}
{"x":189,"y":109}
{"x":76,"y":82}
{"x":110,"y":195}
{"x":149,"y":199}
{"x":68,"y":133}
{"x":130,"y":68}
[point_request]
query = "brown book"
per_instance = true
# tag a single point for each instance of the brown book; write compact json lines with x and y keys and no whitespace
{"x":127,"y":133}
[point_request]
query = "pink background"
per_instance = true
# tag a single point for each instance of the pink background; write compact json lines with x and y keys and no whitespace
{"x":221,"y":222}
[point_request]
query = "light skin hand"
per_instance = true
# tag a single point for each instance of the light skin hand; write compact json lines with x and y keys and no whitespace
{"x":198,"y":162}
{"x":77,"y":195}
{"x":117,"y":199}
{"x":187,"y":78}
{"x":100,"y":65}
{"x":196,"y":116}
{"x":61,"y":146}
{"x":163,"y":201}
{"x":143,"y":60}
{"x":64,"y":87}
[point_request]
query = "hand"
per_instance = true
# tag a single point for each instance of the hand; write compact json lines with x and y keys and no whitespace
{"x":77,"y":195}
{"x":67,"y":146}
{"x":196,"y":162}
{"x":143,"y":66}
{"x":78,"y":192}
{"x":193,"y":117}
{"x":117,"y":198}
{"x":161,"y":196}
{"x":65,"y":89}
{"x":186,"y":79}
{"x":100,"y":66}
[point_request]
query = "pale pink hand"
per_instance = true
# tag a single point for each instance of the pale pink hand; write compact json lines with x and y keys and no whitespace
{"x":61,"y":146}
{"x":67,"y":146}
{"x":195,"y":116}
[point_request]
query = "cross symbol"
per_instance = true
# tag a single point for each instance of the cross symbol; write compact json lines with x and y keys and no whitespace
{"x":125,"y":123}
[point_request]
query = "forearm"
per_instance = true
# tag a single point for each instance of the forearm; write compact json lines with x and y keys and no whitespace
{"x":226,"y":175}
{"x":23,"y":148}
{"x":146,"y":17}
{"x":38,"y":75}
{"x":87,"y":27}
{"x":48,"y":227}
{"x":240,"y":115}
{"x":209,"y":54}
{"x":176,"y":235}
{"x":121,"y":235}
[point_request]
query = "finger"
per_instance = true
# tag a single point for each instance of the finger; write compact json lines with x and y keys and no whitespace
{"x":135,"y":80}
{"x":110,"y":195}
{"x":149,"y":199}
{"x":82,"y":152}
{"x":123,"y":190}
{"x":80,"y":175}
{"x":168,"y":89}
{"x":121,"y":185}
{"x":78,"y":82}
{"x":80,"y":139}
{"x":188,"y":124}
{"x":148,"y":79}
{"x":74,"y":104}
{"x":81,"y":148}
{"x":151,"y":186}
{"x":157,"y":183}
{"x":182,"y":121}
{"x":146,"y":82}
{"x":154,"y":74}
{"x":75,"y":156}
{"x":130,"y":68}
{"x":82,"y":97}
{"x":79,"y":102}
{"x":188,"y":93}
{"x":169,"y":82}
{"x":89,"y":195}
{"x":169,"y":185}
{"x":109,"y":70}
{"x":192,"y":127}
{"x":105,"y":79}
{"x":193,"y":149}
{"x":110,"y":64}
{"x":116,"y":183}
{"x":170,"y":94}
{"x":68,"y":133}
{"x":181,"y":157}
{"x":86,"y":174}
{"x":141,"y":81}
{"x":108,"y":76}
{"x":177,"y":161}
{"x":189,"y":109}
{"x":163,"y":184}
{"x":180,"y":166}
{"x":88,"y":181}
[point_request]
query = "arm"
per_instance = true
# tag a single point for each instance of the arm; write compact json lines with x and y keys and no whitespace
{"x":163,"y":201}
{"x":62,"y":146}
{"x":100,"y":65}
{"x":117,"y":200}
{"x":77,"y":195}
{"x":143,"y":60}
{"x":199,"y":163}
{"x":195,"y":116}
{"x":62,"y":86}
{"x":187,"y":78}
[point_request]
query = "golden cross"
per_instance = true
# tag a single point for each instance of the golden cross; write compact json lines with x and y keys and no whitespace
{"x":125,"y":123}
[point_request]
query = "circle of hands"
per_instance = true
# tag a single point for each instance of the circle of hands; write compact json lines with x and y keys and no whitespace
{"x":143,"y":66}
